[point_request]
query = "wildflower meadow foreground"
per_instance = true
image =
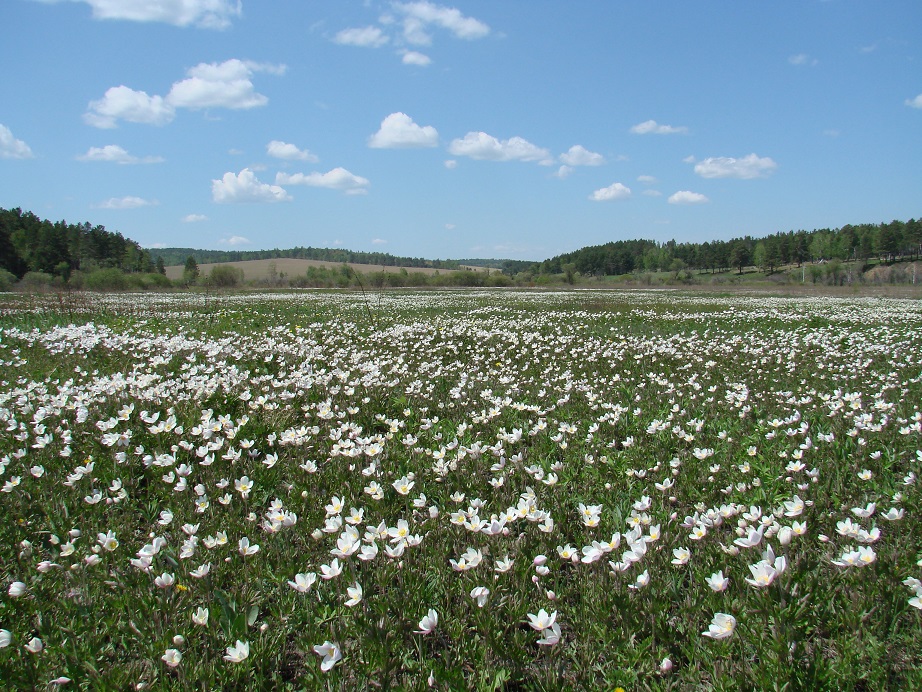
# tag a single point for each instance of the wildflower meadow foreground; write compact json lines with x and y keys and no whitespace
{"x":488,"y":490}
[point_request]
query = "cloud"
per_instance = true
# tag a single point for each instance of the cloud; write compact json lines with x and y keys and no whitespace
{"x":235,"y":240}
{"x":398,"y":131}
{"x":687,"y":197}
{"x":122,"y":103}
{"x":563,"y":172}
{"x":126,"y":203}
{"x":208,"y":85}
{"x":646,"y":179}
{"x":451,"y":164}
{"x":802,"y":59}
{"x":378,"y":241}
{"x":652,"y":127}
{"x":612,"y":192}
{"x":209,"y":14}
{"x":578,"y":155}
{"x":112,"y":153}
{"x":483,"y":147}
{"x":364,"y":37}
{"x":336,"y":179}
{"x":193,"y":218}
{"x":915,"y":103}
{"x":221,"y":85}
{"x":245,"y":187}
{"x":652,"y":193}
{"x":289,"y":152}
{"x":746,"y":168}
{"x":419,"y":16}
{"x":411,"y":57}
{"x":12,"y":148}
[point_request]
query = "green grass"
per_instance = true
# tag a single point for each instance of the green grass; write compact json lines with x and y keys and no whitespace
{"x":563,"y":399}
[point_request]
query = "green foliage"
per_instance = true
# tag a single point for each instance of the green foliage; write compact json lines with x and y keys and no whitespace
{"x":28,"y":243}
{"x":7,"y":279}
{"x":225,"y":276}
{"x":106,"y":280}
{"x":135,"y":415}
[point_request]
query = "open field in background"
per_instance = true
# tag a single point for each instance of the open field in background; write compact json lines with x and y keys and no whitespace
{"x":259,"y":270}
{"x":464,"y":489}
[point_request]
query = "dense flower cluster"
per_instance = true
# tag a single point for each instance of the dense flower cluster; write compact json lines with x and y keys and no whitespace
{"x":295,"y":472}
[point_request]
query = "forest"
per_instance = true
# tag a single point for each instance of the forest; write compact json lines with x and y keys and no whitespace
{"x":173,"y":256}
{"x":896,"y":240}
{"x":30,"y":244}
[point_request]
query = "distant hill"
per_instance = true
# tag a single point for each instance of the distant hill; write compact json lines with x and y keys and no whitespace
{"x":178,"y":256}
{"x":271,"y":270}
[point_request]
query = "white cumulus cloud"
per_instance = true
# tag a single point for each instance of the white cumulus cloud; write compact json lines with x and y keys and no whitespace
{"x":412,"y":57}
{"x":612,"y":192}
{"x":235,"y":240}
{"x":652,"y":127}
{"x":207,"y":85}
{"x":113,"y":153}
{"x":124,"y":103}
{"x":398,"y":131}
{"x":802,"y":59}
{"x":245,"y":187}
{"x":220,"y":85}
{"x":194,"y":218}
{"x":578,"y":155}
{"x":210,"y":14}
{"x":12,"y":148}
{"x":126,"y":203}
{"x":915,"y":103}
{"x":745,"y":168}
{"x":484,"y":147}
{"x":419,"y":16}
{"x":289,"y":152}
{"x":364,"y":37}
{"x":687,"y":197}
{"x":336,"y":179}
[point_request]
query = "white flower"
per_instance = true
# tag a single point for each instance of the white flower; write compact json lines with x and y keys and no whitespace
{"x":172,"y":657}
{"x":200,"y":616}
{"x":238,"y":652}
{"x":542,"y":620}
{"x":428,"y":623}
{"x":5,"y":638}
{"x":550,"y":636}
{"x":480,"y":594}
{"x":303,"y":581}
{"x":717,"y":581}
{"x":682,"y":556}
{"x":35,"y":645}
{"x":17,"y":589}
{"x":721,"y":626}
{"x":355,"y":595}
{"x":331,"y":654}
{"x":245,"y":547}
{"x":165,"y":580}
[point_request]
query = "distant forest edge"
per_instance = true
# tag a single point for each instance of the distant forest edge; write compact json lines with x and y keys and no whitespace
{"x":176,"y":255}
{"x":37,"y":252}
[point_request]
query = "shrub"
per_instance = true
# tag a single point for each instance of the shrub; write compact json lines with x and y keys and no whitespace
{"x":106,"y":280}
{"x":36,"y":281}
{"x":7,"y":280}
{"x":225,"y":276}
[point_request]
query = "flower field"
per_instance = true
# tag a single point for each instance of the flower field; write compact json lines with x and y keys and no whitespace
{"x":487,"y":490}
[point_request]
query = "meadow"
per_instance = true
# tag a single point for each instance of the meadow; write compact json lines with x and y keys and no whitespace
{"x":460,"y":490}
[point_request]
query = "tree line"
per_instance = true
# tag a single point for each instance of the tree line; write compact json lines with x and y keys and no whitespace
{"x":176,"y":256}
{"x":896,"y":240}
{"x":59,"y":249}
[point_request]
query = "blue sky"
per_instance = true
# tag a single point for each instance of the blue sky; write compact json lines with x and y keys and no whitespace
{"x":505,"y":129}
